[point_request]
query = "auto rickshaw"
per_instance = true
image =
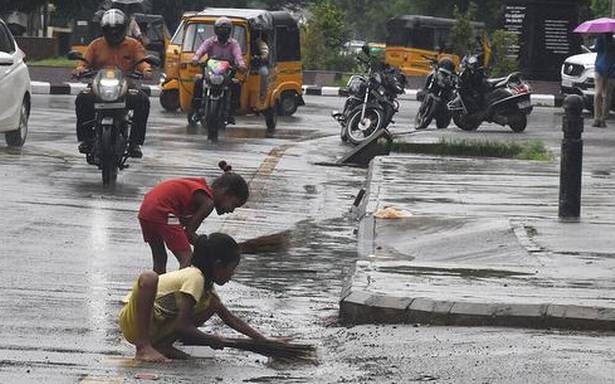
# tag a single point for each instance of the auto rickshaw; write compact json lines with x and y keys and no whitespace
{"x":285,"y":81}
{"x":152,"y":26}
{"x":411,"y":37}
{"x":169,"y":81}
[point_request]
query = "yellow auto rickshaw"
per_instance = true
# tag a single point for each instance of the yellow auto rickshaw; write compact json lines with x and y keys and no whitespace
{"x":169,"y":82}
{"x":412,"y":37}
{"x":285,"y":81}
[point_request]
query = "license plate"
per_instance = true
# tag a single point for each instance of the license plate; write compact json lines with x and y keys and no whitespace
{"x":567,"y":83}
{"x":524,"y":104}
{"x":109,"y":105}
{"x":107,"y":121}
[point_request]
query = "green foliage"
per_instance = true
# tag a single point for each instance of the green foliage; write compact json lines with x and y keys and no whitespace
{"x":462,"y":33}
{"x":601,"y":8}
{"x":524,"y":150}
{"x":323,"y":38}
{"x":503,"y":62}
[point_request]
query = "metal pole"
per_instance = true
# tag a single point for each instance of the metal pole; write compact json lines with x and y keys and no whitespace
{"x":571,"y":167}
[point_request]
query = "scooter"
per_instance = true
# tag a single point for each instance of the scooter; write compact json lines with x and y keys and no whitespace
{"x":505,"y":101}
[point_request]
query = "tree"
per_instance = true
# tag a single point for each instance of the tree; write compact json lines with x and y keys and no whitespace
{"x":323,"y":37}
{"x":462,"y":34}
{"x":601,"y":8}
{"x":503,"y":61}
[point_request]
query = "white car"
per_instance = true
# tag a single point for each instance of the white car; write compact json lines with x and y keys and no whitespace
{"x":578,"y":77}
{"x":14,"y":90}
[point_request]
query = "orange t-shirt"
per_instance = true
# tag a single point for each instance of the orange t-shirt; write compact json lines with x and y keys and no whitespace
{"x":101,"y":55}
{"x":172,"y":198}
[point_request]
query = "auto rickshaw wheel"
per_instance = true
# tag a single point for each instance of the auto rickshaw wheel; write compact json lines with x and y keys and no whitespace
{"x":169,"y":99}
{"x":288,"y":103}
{"x":271,"y":119}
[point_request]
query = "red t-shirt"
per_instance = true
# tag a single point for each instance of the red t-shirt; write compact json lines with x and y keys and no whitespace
{"x":172,"y":198}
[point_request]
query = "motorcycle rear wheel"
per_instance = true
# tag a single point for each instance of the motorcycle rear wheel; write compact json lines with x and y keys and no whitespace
{"x":357,"y":130}
{"x":518,"y":122}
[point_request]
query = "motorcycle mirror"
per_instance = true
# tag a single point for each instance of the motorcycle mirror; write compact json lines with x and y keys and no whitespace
{"x":75,"y":55}
{"x":150,"y":59}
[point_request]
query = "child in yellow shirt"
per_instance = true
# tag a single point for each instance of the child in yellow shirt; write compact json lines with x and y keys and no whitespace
{"x":163,"y":309}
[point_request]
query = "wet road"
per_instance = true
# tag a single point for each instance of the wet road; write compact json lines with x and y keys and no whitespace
{"x":71,"y":249}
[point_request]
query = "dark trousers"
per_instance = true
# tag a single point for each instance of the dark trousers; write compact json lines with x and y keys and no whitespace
{"x":84,"y":106}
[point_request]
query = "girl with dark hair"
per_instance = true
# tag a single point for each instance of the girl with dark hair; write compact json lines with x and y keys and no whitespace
{"x":170,"y":307}
{"x":173,"y":210}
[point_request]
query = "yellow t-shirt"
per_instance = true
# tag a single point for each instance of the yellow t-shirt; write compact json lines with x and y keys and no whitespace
{"x":190,"y":281}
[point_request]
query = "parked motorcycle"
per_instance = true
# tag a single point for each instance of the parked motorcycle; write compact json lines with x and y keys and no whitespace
{"x":439,"y":90}
{"x":505,"y":101}
{"x":113,"y":119}
{"x":371,"y":100}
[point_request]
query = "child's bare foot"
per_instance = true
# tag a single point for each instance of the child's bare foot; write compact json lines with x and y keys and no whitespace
{"x":172,"y":353}
{"x":149,"y":354}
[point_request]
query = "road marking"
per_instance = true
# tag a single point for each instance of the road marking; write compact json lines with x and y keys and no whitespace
{"x":257,"y":185}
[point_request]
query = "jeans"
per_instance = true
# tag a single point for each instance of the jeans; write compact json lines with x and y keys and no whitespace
{"x":603,"y":97}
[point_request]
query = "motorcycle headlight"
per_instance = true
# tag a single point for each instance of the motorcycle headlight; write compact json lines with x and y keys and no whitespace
{"x":109,"y":85}
{"x":216,"y":79}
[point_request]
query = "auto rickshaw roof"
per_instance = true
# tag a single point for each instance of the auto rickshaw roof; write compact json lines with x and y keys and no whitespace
{"x":418,"y":21}
{"x":257,"y":18}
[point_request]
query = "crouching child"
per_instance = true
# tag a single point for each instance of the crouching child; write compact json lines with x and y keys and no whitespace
{"x":167,"y":308}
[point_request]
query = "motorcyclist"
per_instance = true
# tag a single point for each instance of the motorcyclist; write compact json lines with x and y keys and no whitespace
{"x":114,"y":49}
{"x":220,"y":47}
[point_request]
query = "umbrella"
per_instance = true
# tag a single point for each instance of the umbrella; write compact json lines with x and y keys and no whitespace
{"x":602,"y":25}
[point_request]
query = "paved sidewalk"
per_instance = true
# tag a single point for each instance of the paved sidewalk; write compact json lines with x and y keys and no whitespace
{"x":484,"y":245}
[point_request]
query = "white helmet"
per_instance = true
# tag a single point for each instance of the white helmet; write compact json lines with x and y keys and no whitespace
{"x":114,"y":25}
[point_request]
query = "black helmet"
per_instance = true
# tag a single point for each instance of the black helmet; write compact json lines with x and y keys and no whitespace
{"x":223,"y":28}
{"x":447,"y":64}
{"x":114,"y":25}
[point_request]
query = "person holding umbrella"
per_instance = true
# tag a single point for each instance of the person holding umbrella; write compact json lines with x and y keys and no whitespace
{"x":604,"y":66}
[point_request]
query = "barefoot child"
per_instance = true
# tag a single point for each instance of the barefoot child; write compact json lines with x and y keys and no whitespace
{"x":173,"y":210}
{"x":170,"y":307}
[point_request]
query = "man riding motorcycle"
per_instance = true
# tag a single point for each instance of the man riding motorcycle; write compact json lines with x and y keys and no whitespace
{"x":221,"y":47}
{"x":114,"y":49}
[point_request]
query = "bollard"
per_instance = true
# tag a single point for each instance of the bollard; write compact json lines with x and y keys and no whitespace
{"x":571,"y":166}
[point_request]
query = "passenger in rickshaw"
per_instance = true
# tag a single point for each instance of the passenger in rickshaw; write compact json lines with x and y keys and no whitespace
{"x":263,"y":56}
{"x":221,"y":47}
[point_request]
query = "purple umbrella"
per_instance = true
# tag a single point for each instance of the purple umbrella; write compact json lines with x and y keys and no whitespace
{"x":601,"y":25}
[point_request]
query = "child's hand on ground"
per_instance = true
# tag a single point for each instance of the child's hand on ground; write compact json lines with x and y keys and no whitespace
{"x":216,"y":342}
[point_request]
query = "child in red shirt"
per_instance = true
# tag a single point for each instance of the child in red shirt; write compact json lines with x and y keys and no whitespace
{"x":173,"y":210}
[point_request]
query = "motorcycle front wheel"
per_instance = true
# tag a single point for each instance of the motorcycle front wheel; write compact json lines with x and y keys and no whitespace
{"x":443,"y":120}
{"x":214,"y":119}
{"x":465,"y":122}
{"x":360,"y":130}
{"x":425,"y":113}
{"x":108,"y":163}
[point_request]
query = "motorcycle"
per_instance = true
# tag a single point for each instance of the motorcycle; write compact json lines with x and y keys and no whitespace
{"x":439,"y":90}
{"x":371,"y":100}
{"x":113,"y":119}
{"x":505,"y":101}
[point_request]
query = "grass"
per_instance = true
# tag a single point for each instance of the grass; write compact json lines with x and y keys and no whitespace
{"x":54,"y":62}
{"x":527,"y":150}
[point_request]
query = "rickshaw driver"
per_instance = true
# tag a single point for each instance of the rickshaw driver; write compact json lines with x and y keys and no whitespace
{"x":263,"y":54}
{"x":221,"y":47}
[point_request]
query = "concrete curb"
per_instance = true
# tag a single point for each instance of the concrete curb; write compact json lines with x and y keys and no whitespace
{"x":538,"y":100}
{"x":45,"y":88}
{"x":359,"y":305}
